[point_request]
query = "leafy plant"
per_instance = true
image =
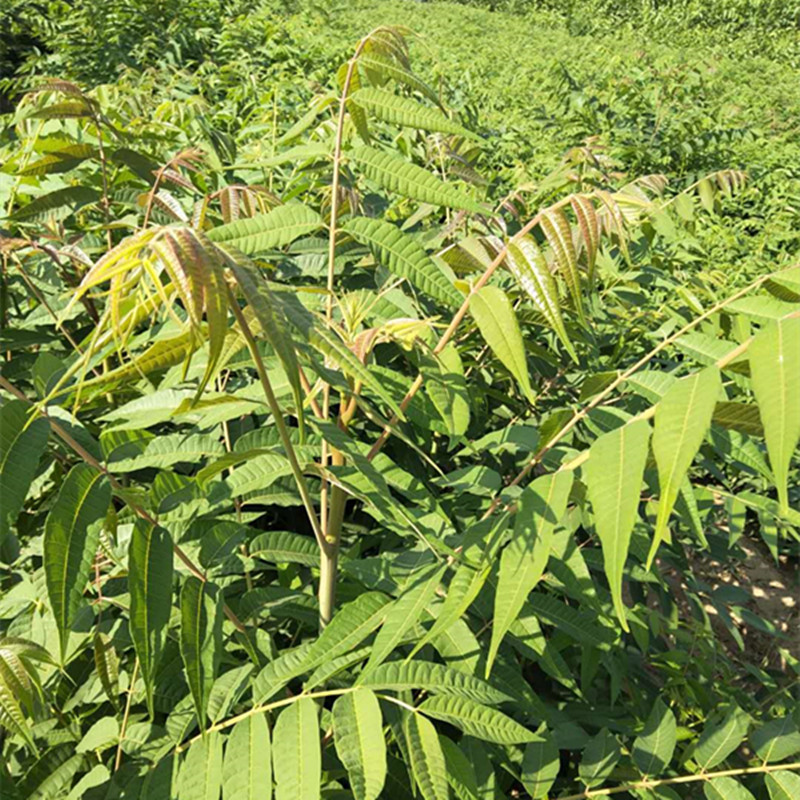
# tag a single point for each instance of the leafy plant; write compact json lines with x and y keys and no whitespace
{"x":328,"y":471}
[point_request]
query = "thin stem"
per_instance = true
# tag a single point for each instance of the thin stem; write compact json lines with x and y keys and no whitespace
{"x":104,"y":173}
{"x":702,"y":776}
{"x":277,"y":414}
{"x":126,"y":715}
{"x":337,"y":165}
{"x":287,"y":701}
{"x":331,"y":519}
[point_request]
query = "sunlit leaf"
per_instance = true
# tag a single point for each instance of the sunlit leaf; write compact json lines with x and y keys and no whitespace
{"x":358,"y":735}
{"x":296,"y":752}
{"x":614,"y":477}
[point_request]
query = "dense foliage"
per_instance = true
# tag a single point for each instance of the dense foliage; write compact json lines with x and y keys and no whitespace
{"x":379,"y":417}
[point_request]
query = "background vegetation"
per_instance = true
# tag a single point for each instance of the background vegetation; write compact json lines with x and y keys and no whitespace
{"x":400,"y":414}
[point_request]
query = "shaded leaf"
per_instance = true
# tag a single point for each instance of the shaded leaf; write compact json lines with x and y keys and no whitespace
{"x":524,"y":559}
{"x":600,"y":756}
{"x":150,"y":586}
{"x":200,"y":639}
{"x":654,"y":746}
{"x":540,"y":765}
{"x":22,"y":443}
{"x":71,"y":537}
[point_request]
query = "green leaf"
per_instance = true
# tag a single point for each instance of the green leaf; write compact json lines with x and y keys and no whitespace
{"x":358,"y":735}
{"x":200,"y":639}
{"x":777,"y":740}
{"x":446,"y":386}
{"x":269,"y":231}
{"x":398,"y":110}
{"x":654,"y":746}
{"x":464,"y":587}
{"x":255,"y":474}
{"x":583,"y":626}
{"x":166,"y":450}
{"x":349,"y":627}
{"x":426,"y":758}
{"x":201,"y":774}
{"x":71,"y":537}
{"x":774,"y":357}
{"x":783,"y":785}
{"x":614,"y":478}
{"x":404,"y":675}
{"x":682,"y":419}
{"x":377,"y":64}
{"x":540,"y":765}
{"x":337,"y":353}
{"x":106,"y":662}
{"x":726,"y":789}
{"x":600,"y":756}
{"x":398,"y":175}
{"x":274,"y":326}
{"x":284,"y":547}
{"x":11,"y":714}
{"x":21,"y":446}
{"x":296,"y":752}
{"x":65,"y":201}
{"x":279,"y":672}
{"x":103,"y":734}
{"x":403,"y":615}
{"x":528,"y":265}
{"x":741,"y":417}
{"x":498,"y":325}
{"x":476,"y":720}
{"x":402,"y":255}
{"x":357,"y":113}
{"x":720,"y":738}
{"x":524,"y":560}
{"x":247,"y":770}
{"x":150,"y":586}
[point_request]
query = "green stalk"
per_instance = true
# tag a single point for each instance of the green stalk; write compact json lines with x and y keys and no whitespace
{"x":275,"y":408}
{"x":332,"y":518}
